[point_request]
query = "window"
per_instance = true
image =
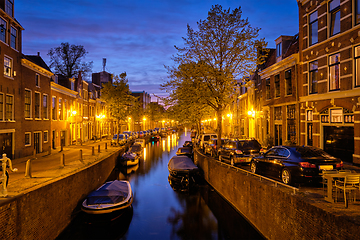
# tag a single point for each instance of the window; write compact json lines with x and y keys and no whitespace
{"x":27,"y":103}
{"x":357,"y":11}
{"x":9,"y":6}
{"x":277,"y":86}
{"x":9,"y":108}
{"x":45,"y":107}
{"x":3,"y":30}
{"x":37,"y":80}
{"x":334,"y":8}
{"x":1,"y":107}
{"x":278,"y":113}
{"x":27,"y":139}
{"x":60,"y":109}
{"x":357,"y":66}
{"x":268,"y":93}
{"x":13,"y":38}
{"x":313,"y":28}
{"x":46,"y":136}
{"x":37,"y":105}
{"x":53,"y":108}
{"x":334,"y":78}
{"x":336,"y":115}
{"x":278,"y":50}
{"x":288,"y":83}
{"x":313,"y":77}
{"x":291,"y":126}
{"x":72,"y":85}
{"x":7,"y":66}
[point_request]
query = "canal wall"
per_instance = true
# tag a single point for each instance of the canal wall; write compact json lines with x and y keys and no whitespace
{"x":276,"y":212}
{"x":43,"y":213}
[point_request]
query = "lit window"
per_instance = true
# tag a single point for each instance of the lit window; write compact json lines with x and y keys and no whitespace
{"x":13,"y":38}
{"x":278,"y":113}
{"x":334,"y":8}
{"x":27,"y":103}
{"x":60,"y":109}
{"x":7,"y":67}
{"x":3,"y":30}
{"x":313,"y":28}
{"x":27,"y":139}
{"x":313,"y":77}
{"x":334,"y":78}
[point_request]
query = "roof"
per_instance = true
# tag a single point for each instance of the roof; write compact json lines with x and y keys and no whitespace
{"x":36,"y":59}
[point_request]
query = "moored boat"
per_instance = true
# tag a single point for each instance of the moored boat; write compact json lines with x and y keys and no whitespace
{"x":110,"y":197}
{"x":130,"y":159}
{"x":182,"y":169}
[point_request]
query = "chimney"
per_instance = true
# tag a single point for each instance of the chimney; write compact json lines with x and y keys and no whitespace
{"x":38,"y":54}
{"x":104,"y":64}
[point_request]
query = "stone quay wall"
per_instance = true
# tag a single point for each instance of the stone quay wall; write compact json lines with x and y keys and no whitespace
{"x":45,"y":212}
{"x":276,"y":212}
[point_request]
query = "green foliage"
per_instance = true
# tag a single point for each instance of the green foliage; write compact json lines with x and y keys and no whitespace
{"x":223,"y":49}
{"x":118,"y":98}
{"x":67,"y":60}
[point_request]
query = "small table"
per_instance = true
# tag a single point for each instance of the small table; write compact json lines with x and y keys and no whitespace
{"x":330,"y":178}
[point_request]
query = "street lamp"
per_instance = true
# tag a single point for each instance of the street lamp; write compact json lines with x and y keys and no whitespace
{"x":144,"y":119}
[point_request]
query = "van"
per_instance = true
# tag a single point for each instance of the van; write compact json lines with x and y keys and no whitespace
{"x":204,"y":138}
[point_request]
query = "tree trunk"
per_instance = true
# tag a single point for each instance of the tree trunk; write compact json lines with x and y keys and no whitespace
{"x":219,"y":127}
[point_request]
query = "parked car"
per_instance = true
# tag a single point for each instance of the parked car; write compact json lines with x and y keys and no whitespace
{"x":295,"y":164}
{"x":239,"y":151}
{"x":123,"y":138}
{"x":204,"y":138}
{"x":211,"y":146}
{"x":114,"y":140}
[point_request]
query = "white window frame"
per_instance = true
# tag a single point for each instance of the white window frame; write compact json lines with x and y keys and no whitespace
{"x":39,"y":115}
{"x":47,"y":136}
{"x":12,"y":107}
{"x":13,"y":37}
{"x":2,"y":116}
{"x":4,"y":28}
{"x":45,"y":116}
{"x":30,"y":113}
{"x":8,"y":70}
{"x":27,"y":144}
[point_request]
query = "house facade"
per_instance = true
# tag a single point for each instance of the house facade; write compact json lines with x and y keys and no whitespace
{"x":329,"y":79}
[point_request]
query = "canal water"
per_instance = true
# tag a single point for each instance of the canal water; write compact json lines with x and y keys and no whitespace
{"x":160,"y":212}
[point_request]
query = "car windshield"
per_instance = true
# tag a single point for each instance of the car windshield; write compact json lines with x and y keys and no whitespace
{"x":249,"y":145}
{"x":310,"y":152}
{"x":185,"y":150}
{"x":206,"y":138}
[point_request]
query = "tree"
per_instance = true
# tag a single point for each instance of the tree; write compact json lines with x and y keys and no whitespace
{"x":223,"y":49}
{"x":155,"y":113}
{"x":118,"y":99}
{"x":67,"y":60}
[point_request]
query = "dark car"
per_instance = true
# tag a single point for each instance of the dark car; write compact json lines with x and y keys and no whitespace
{"x":239,"y":151}
{"x":211,"y":147}
{"x":295,"y":164}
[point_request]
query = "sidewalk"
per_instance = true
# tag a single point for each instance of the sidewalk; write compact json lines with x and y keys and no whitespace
{"x":46,"y":168}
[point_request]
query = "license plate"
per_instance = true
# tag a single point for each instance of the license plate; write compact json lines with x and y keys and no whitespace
{"x":326,"y":167}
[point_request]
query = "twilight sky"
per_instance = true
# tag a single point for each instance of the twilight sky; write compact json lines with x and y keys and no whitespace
{"x":137,"y":36}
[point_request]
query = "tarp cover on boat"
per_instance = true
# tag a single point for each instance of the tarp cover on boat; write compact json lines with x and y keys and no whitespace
{"x":129,"y":155}
{"x":110,"y":193}
{"x":181,"y":163}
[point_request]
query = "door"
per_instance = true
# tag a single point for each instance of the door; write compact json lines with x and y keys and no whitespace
{"x":278,"y":135}
{"x":37,"y":142}
{"x":339,"y":142}
{"x":62,"y":138}
{"x":53,"y":139}
{"x":6,"y":144}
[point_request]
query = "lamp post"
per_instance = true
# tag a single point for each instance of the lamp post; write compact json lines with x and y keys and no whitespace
{"x":144,"y":120}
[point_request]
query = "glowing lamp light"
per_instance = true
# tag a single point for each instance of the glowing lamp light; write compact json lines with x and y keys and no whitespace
{"x":251,"y":113}
{"x":144,"y":118}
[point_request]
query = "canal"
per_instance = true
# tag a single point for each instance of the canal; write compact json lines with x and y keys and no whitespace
{"x":158,"y":211}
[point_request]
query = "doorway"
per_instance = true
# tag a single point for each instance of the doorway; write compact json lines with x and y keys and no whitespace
{"x":278,"y":135}
{"x":339,"y":142}
{"x":6,"y":144}
{"x":37,"y":142}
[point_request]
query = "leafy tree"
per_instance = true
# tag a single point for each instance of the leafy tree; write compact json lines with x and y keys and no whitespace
{"x":67,"y":60}
{"x":155,"y":112}
{"x":118,"y":99}
{"x":223,"y":49}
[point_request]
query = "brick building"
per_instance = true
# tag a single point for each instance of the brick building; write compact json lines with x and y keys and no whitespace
{"x":329,"y":80}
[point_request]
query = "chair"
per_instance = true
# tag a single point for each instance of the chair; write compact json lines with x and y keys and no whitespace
{"x":324,"y":180}
{"x":351,"y":183}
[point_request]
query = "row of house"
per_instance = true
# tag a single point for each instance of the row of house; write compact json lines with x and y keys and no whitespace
{"x":308,"y":91}
{"x":40,"y":111}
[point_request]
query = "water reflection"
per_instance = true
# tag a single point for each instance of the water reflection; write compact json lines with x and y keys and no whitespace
{"x":159,"y":212}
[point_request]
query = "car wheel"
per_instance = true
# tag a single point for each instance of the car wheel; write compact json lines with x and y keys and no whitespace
{"x":253,"y":167}
{"x":286,"y":176}
{"x":232,"y":161}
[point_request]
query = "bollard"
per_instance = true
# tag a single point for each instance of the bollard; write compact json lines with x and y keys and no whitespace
{"x":81,"y":155}
{"x":28,"y":169}
{"x":99,"y":148}
{"x":62,"y":160}
{"x":34,"y":153}
{"x":105,"y":146}
{"x":62,"y":148}
{"x":49,"y":150}
{"x":92,"y":150}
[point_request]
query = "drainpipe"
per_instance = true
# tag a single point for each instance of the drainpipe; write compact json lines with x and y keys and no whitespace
{"x":298,"y":104}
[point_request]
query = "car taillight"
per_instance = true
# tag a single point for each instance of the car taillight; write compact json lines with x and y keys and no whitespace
{"x":340,"y":165}
{"x":238,"y":152}
{"x":307,"y":165}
